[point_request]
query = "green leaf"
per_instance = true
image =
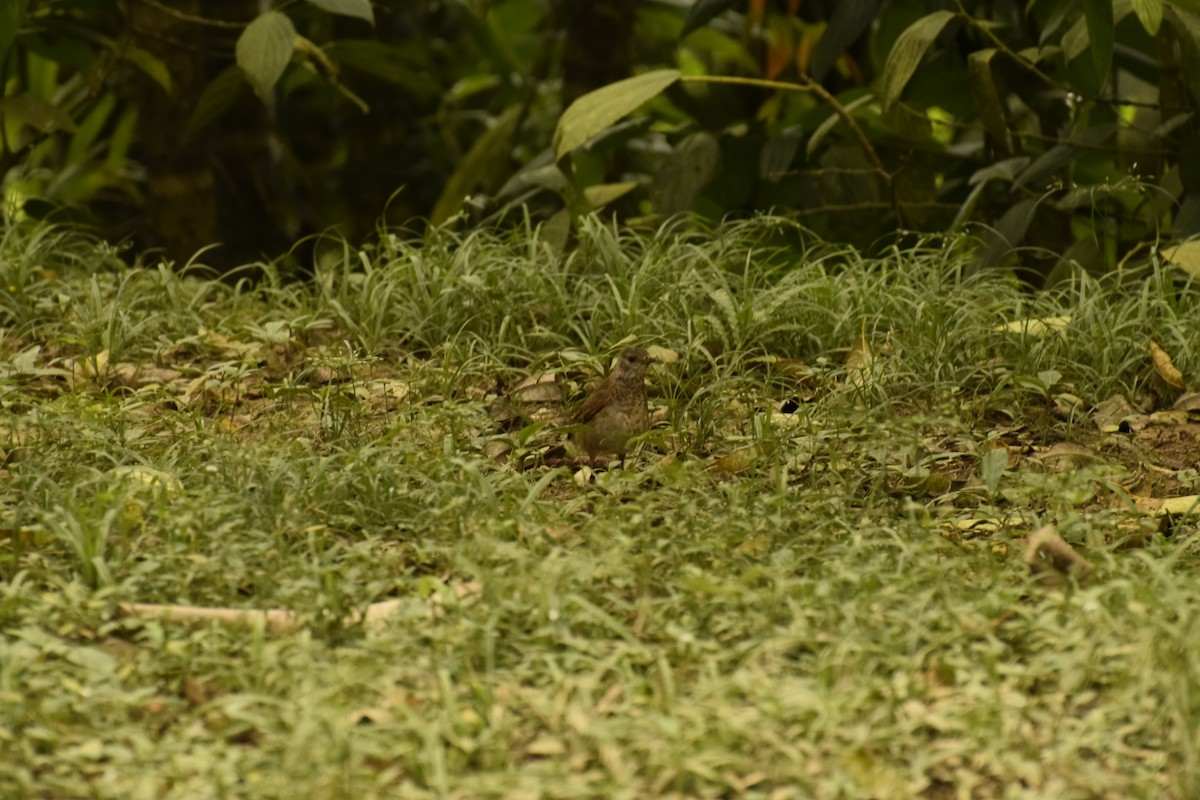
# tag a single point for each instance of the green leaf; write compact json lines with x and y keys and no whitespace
{"x":90,"y":127}
{"x":1186,"y":27}
{"x":36,"y":113}
{"x":1100,"y":27}
{"x":1001,"y":170}
{"x":988,"y":101}
{"x":686,"y":172}
{"x":487,"y":157}
{"x":831,"y":122}
{"x":602,"y":194}
{"x":12,"y":12}
{"x":1061,"y":155}
{"x":1149,"y":13}
{"x":556,"y":231}
{"x":599,"y":109}
{"x":217,"y":98}
{"x":1005,"y":237}
{"x":383,"y":61}
{"x":779,"y":152}
{"x":122,"y":138}
{"x":537,"y":173}
{"x":360,"y":9}
{"x":701,"y":12}
{"x":264,"y":50}
{"x":149,"y":64}
{"x":992,"y":467}
{"x":907,"y":53}
{"x":850,"y":18}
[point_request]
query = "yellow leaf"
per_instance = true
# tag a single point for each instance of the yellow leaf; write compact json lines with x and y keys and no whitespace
{"x":1186,"y":256}
{"x":1164,"y":366}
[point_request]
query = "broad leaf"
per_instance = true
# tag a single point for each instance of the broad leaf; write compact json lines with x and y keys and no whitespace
{"x":1186,"y":27}
{"x":779,"y":152}
{"x":217,"y":98}
{"x":600,"y":195}
{"x":988,"y":100}
{"x":1100,"y":27}
{"x":90,"y":127}
{"x":12,"y":12}
{"x":264,"y":50}
{"x":831,"y":122}
{"x":150,"y":64}
{"x":360,"y":9}
{"x":488,"y":157}
{"x":1061,"y":155}
{"x":1186,"y":256}
{"x":907,"y":53}
{"x":992,"y":467}
{"x":686,"y":173}
{"x":383,"y":61}
{"x":850,"y":18}
{"x":1150,"y":14}
{"x":36,"y":113}
{"x":701,"y":12}
{"x":1005,"y":237}
{"x":595,"y":111}
{"x":1005,"y":170}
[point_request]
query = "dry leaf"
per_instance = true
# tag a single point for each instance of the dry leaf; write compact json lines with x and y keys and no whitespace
{"x":539,"y":389}
{"x":1052,"y":559}
{"x":1164,"y":367}
{"x":860,"y":362}
{"x":1036,"y":327}
{"x":742,"y":459}
{"x":1186,"y":256}
{"x":1067,"y":455}
{"x":1188,"y":401}
{"x":1108,"y":415}
{"x":1174,"y":506}
{"x":662,"y":354}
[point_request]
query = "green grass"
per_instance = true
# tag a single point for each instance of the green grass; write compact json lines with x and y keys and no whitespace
{"x":825,"y":603}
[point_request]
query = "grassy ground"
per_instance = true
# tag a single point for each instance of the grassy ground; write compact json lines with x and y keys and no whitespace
{"x":809,"y":582}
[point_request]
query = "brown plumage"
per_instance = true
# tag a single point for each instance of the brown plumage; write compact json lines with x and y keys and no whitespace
{"x":616,"y":410}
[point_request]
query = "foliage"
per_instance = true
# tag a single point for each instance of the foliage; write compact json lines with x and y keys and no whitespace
{"x":347,"y":124}
{"x":1067,"y":129}
{"x":1060,"y":133}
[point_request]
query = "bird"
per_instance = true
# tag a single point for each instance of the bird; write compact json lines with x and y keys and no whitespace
{"x":616,"y":410}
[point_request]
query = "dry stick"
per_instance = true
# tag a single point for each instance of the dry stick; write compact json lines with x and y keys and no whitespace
{"x":817,"y":89}
{"x":276,"y":620}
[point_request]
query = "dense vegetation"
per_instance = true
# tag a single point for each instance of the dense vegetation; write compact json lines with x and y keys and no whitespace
{"x":1066,"y":128}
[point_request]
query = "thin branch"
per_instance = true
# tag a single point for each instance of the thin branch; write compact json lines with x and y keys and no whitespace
{"x":811,"y":86}
{"x":184,"y":17}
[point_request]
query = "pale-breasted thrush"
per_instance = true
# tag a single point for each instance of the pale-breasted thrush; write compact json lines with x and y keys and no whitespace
{"x":616,"y":410}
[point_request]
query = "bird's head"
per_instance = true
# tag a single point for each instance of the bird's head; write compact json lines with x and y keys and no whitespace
{"x":633,"y":363}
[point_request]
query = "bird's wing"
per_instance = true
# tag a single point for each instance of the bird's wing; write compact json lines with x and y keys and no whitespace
{"x":592,"y":405}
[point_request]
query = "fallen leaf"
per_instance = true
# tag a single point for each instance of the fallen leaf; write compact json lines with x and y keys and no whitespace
{"x":1036,"y":327}
{"x":1109,"y":414}
{"x":1052,"y":559}
{"x":1186,"y":256}
{"x":662,"y":355}
{"x":1188,"y":401}
{"x":1175,"y":506}
{"x":860,"y":362}
{"x":541,"y":388}
{"x":1164,"y":367}
{"x":1066,"y":455}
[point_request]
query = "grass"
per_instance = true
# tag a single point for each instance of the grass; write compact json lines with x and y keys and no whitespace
{"x":830,"y":602}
